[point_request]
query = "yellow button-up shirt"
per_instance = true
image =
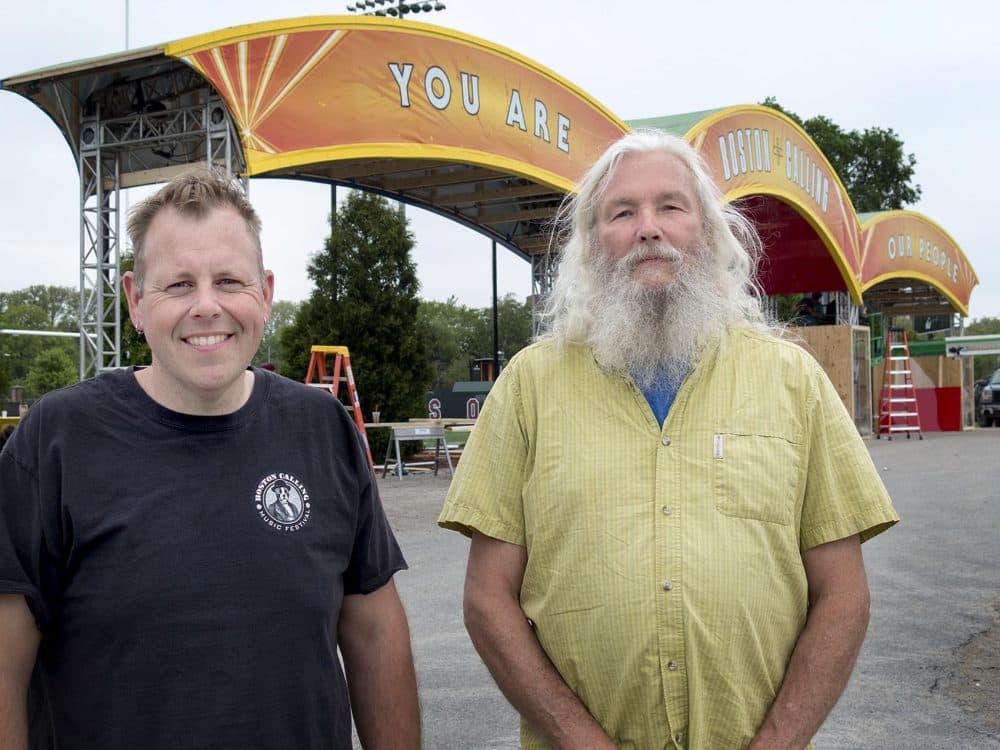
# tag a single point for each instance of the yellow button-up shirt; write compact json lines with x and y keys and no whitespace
{"x":664,"y":571}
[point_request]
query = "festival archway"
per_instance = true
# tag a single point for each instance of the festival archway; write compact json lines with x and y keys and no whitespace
{"x":453,"y":124}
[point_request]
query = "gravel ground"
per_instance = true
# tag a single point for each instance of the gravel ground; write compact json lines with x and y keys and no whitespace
{"x":929,"y":673}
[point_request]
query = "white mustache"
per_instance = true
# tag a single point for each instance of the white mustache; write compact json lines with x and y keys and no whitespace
{"x":641,"y":253}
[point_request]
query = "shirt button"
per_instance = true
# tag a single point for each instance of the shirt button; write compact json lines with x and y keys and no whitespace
{"x":672,"y":665}
{"x":667,"y":510}
{"x":665,"y":440}
{"x":667,"y":585}
{"x":679,"y":738}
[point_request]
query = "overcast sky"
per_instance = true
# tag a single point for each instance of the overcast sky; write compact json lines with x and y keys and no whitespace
{"x":929,"y":70}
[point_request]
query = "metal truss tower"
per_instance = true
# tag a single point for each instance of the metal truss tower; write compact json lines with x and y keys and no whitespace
{"x":543,"y":273}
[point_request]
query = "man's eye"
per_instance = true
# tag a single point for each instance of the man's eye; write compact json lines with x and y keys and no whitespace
{"x":179,"y":285}
{"x":623,"y":214}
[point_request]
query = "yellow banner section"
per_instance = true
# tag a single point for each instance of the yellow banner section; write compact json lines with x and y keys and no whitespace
{"x":908,"y":245}
{"x":316,"y":89}
{"x":754,"y":150}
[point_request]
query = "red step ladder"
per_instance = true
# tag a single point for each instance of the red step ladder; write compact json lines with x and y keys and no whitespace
{"x":330,"y":380}
{"x":898,"y":400}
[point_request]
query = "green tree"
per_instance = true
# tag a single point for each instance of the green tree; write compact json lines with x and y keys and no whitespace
{"x":871,"y":163}
{"x":282,"y":315}
{"x":513,"y":328}
{"x":60,"y":303}
{"x":450,"y":329}
{"x":365,"y":298}
{"x":18,"y":351}
{"x":134,"y":349}
{"x":983,"y":366}
{"x":456,"y":333}
{"x":37,"y":308}
{"x":53,"y":368}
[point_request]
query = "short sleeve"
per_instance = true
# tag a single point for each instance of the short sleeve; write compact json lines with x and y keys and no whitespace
{"x":844,"y":494}
{"x":375,"y":556}
{"x":21,"y":534}
{"x":486,"y":494}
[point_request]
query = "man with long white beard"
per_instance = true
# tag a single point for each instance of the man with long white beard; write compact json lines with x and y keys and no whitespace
{"x":666,"y":501}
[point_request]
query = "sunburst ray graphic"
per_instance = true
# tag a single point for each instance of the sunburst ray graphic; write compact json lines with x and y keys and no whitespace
{"x":257,"y":76}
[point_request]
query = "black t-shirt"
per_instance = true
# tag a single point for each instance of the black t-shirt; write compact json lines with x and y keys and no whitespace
{"x":187,"y":573}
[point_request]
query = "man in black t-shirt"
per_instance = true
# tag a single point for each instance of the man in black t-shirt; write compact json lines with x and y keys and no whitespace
{"x":168,"y":578}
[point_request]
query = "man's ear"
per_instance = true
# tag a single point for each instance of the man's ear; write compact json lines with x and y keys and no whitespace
{"x":132,"y":294}
{"x":268,"y":293}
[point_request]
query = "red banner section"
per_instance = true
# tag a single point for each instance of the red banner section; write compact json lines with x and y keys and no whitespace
{"x":326,"y":88}
{"x":905,"y":244}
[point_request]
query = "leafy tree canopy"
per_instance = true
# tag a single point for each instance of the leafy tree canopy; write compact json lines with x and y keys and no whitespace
{"x":53,"y":368}
{"x":450,"y":330}
{"x":983,"y":366}
{"x":17,"y":351}
{"x":456,"y":333}
{"x":365,"y":298}
{"x":61,"y":304}
{"x":282,"y":315}
{"x":872,"y":163}
{"x":134,"y":349}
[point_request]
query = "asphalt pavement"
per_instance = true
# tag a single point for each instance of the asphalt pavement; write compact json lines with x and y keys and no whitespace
{"x":929,"y":673}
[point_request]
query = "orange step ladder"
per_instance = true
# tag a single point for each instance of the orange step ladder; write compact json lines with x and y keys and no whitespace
{"x":331,"y":379}
{"x":898,"y":400}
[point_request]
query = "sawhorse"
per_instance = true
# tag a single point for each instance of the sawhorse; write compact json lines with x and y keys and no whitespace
{"x":401,"y":434}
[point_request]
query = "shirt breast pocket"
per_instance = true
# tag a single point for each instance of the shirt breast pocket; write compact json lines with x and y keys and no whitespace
{"x":756,"y":476}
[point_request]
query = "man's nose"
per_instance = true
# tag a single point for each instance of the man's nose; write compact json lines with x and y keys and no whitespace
{"x":206,"y":302}
{"x":649,"y":228}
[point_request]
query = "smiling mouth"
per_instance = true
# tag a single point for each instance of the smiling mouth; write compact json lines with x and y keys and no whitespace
{"x":207,"y":340}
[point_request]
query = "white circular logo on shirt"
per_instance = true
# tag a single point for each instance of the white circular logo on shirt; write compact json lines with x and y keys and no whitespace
{"x":282,"y":502}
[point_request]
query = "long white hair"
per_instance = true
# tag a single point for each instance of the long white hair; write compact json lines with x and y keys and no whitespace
{"x":730,"y":237}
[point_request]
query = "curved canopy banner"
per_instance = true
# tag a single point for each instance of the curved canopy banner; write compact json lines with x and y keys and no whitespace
{"x":327,"y":88}
{"x":908,"y":245}
{"x":755,"y":150}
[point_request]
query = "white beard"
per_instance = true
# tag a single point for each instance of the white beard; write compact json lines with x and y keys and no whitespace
{"x":654,"y":333}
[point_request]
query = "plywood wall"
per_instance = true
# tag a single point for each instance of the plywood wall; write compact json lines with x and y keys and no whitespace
{"x":831,"y":346}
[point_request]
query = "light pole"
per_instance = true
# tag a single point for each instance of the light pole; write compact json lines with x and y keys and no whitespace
{"x":395,"y":8}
